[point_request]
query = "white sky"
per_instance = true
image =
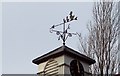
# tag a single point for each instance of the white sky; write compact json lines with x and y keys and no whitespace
{"x":0,"y":38}
{"x":26,"y":31}
{"x":54,"y":0}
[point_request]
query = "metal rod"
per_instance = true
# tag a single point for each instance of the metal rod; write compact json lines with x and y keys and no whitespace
{"x":64,"y":34}
{"x":61,"y":23}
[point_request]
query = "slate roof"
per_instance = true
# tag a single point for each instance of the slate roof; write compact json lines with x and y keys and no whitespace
{"x":63,"y":50}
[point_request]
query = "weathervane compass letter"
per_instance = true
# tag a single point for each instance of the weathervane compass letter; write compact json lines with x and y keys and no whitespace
{"x":64,"y":34}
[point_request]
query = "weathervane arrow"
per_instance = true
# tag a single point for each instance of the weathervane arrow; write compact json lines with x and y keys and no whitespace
{"x":64,"y":34}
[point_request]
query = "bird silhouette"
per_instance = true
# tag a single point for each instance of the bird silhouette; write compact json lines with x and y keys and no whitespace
{"x":75,"y":18}
{"x":71,"y":13}
{"x":67,"y":19}
{"x":72,"y":17}
{"x":64,"y":20}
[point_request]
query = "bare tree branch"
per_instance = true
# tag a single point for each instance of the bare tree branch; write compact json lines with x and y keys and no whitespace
{"x":101,"y":43}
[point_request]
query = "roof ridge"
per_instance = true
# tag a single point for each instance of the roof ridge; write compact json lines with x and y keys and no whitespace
{"x":60,"y":51}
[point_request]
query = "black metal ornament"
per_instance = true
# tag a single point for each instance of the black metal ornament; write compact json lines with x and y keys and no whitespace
{"x":64,"y":34}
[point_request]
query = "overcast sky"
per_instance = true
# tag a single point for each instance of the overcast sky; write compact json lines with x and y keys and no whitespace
{"x":26,"y":31}
{"x":0,"y":38}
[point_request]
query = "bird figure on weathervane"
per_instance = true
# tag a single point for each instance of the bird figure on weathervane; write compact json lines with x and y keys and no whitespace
{"x":64,"y":34}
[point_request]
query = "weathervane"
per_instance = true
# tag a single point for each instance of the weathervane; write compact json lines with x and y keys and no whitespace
{"x":64,"y":34}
